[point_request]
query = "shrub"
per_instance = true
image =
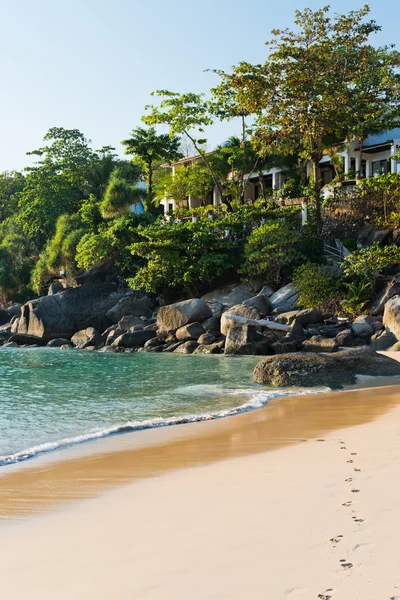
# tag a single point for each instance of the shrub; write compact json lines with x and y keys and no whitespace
{"x":269,"y":250}
{"x":366,"y":263}
{"x":318,"y":288}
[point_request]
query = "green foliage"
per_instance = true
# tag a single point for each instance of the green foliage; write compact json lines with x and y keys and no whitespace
{"x":59,"y":253}
{"x":11,"y":184}
{"x":368,"y":262}
{"x":149,"y":149}
{"x":182,"y":256}
{"x":119,"y":195}
{"x":269,"y":250}
{"x":359,"y":293}
{"x":15,"y":267}
{"x":112,"y":240}
{"x":318,"y":288}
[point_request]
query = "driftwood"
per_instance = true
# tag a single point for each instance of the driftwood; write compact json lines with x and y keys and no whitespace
{"x":261,"y":323}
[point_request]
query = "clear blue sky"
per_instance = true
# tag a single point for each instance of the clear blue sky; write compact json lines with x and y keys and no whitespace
{"x":91,"y":64}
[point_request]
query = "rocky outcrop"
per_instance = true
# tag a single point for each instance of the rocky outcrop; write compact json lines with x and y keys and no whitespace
{"x":212,"y":325}
{"x":391,"y":316}
{"x":190,"y":332}
{"x":246,"y":339}
{"x":173,"y":316}
{"x":229,"y":295}
{"x":206,"y":339}
{"x":128,"y":322}
{"x":391,"y":289}
{"x":187,"y":347}
{"x":248,"y":312}
{"x":86,"y":337}
{"x":57,"y":343}
{"x":14,"y":310}
{"x":62,"y":315}
{"x":135,"y":304}
{"x":261,"y":303}
{"x":286,"y":297}
{"x":320,"y":344}
{"x":332,"y":370}
{"x":362,"y":327}
{"x":216,"y":348}
{"x":306,"y":317}
{"x":383,"y":340}
{"x":136,"y":339}
{"x":4,"y":317}
{"x":27,"y":340}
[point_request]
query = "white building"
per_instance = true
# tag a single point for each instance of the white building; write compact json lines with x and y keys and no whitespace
{"x":375,"y":159}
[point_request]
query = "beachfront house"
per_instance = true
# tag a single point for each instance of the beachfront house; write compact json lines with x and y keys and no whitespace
{"x":375,"y":158}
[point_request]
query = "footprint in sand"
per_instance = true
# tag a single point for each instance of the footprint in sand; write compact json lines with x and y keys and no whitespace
{"x":325,"y":596}
{"x":320,"y":440}
{"x":355,"y":491}
{"x":349,"y":480}
{"x":357,"y":470}
{"x":350,"y":461}
{"x":336,"y":540}
{"x":354,"y":454}
{"x":347,"y":503}
{"x":345,"y":564}
{"x":358,"y":520}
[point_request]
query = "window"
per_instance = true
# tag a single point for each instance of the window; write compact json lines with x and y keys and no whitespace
{"x":170,"y":207}
{"x":380,"y":167}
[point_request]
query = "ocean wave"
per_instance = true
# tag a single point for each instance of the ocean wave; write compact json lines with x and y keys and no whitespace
{"x":258,"y":399}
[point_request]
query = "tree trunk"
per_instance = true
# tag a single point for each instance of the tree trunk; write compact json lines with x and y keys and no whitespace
{"x":149,"y":202}
{"x":317,"y":192}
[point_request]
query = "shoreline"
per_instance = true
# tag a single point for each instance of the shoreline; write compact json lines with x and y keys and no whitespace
{"x":293,"y":519}
{"x":86,"y":470}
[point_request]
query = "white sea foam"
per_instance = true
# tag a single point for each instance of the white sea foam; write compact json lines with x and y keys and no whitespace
{"x":258,"y":398}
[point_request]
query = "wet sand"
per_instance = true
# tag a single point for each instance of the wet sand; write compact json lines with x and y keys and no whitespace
{"x":299,"y":499}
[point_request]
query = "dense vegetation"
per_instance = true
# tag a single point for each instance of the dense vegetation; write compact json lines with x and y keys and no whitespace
{"x":77,"y":207}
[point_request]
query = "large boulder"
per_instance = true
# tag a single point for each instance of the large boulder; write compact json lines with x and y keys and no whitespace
{"x":104,"y":272}
{"x":86,"y":337}
{"x":229,"y":295}
{"x":286,"y":297}
{"x":369,"y":235}
{"x":391,"y":316}
{"x":247,"y":312}
{"x":4,"y":317}
{"x":308,"y":316}
{"x":246,"y":339}
{"x":27,"y":340}
{"x":320,"y":344}
{"x":187,"y":347}
{"x":135,"y":304}
{"x":261,"y":303}
{"x":173,"y":316}
{"x":361,"y":327}
{"x":383,"y":340}
{"x":190,"y":332}
{"x":212,"y":325}
{"x":14,"y":310}
{"x":126,"y":323}
{"x":58,"y":343}
{"x":333,"y":370}
{"x":134,"y":339}
{"x":391,"y":289}
{"x":62,"y":315}
{"x":216,"y":348}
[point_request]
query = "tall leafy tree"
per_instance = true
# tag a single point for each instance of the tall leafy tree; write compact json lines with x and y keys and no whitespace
{"x":303,"y":91}
{"x":149,"y":149}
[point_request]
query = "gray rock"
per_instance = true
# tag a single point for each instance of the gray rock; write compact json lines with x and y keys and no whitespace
{"x":266,"y":291}
{"x":27,"y":340}
{"x":286,"y":297}
{"x":216,"y":348}
{"x":4,"y":336}
{"x":206,"y":339}
{"x":308,"y":316}
{"x":334,"y":370}
{"x":152,"y":343}
{"x":135,"y":305}
{"x":107,"y":332}
{"x":10,"y":345}
{"x":296,"y":333}
{"x":345,"y":338}
{"x":369,"y":235}
{"x":362,"y":328}
{"x":212,"y":325}
{"x":284,"y":346}
{"x":246,"y":340}
{"x":173,"y":316}
{"x":229,"y":295}
{"x":135,"y":339}
{"x":62,"y":315}
{"x":391,"y":316}
{"x":57,"y":343}
{"x":89,"y":348}
{"x":190,"y":332}
{"x":126,"y":323}
{"x":15,"y":324}
{"x":111,"y":349}
{"x":240,"y":310}
{"x":383,"y":341}
{"x":186,"y":347}
{"x":66,"y":347}
{"x":112,"y":336}
{"x":392,"y":289}
{"x":55,"y":288}
{"x":4,"y":317}
{"x":86,"y":337}
{"x":217,"y":308}
{"x":14,"y":310}
{"x":261,"y":303}
{"x":320,"y":344}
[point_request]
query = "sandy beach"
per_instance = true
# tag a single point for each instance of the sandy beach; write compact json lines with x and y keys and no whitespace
{"x":297,"y":500}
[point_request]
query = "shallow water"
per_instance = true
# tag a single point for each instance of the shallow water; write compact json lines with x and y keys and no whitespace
{"x":51,"y":398}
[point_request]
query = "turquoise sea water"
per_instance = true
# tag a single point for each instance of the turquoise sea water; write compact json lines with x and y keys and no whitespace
{"x":51,"y":398}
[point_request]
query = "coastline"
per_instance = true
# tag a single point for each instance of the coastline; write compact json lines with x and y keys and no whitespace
{"x":292,"y":517}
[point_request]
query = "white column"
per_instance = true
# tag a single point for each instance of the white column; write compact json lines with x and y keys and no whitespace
{"x":216,"y":196}
{"x":347,"y":160}
{"x":358,"y":165}
{"x":368,"y":168}
{"x":395,"y":148}
{"x":304,"y":213}
{"x":275,"y":180}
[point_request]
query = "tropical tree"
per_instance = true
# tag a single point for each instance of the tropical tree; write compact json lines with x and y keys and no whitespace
{"x":303,"y":92}
{"x":149,"y":149}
